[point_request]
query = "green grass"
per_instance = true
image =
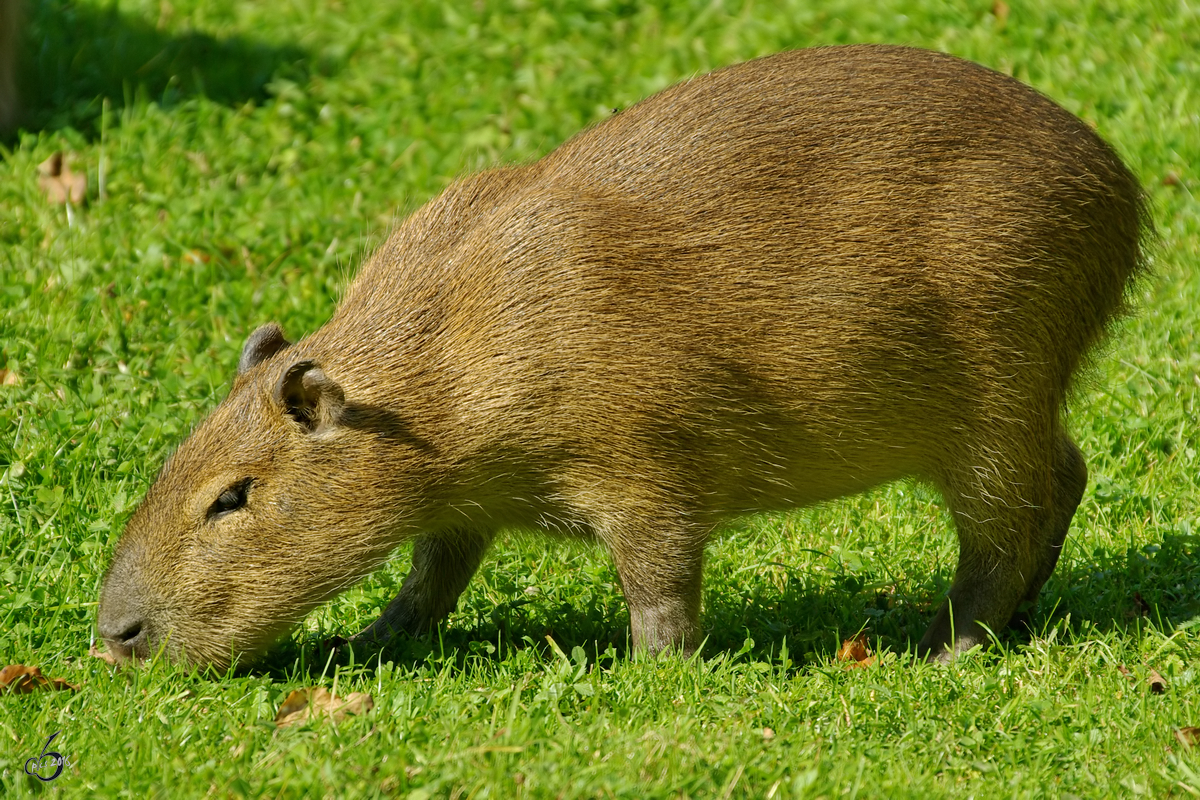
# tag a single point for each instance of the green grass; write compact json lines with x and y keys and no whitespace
{"x":251,"y":153}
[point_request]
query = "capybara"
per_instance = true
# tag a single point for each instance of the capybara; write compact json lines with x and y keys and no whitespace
{"x":772,"y":285}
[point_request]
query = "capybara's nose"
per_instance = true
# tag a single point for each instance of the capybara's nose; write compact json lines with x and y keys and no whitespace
{"x":124,"y":634}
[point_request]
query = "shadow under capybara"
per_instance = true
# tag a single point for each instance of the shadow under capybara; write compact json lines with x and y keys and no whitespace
{"x":782,"y":282}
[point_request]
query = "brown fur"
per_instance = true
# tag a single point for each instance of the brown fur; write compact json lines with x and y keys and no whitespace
{"x":783,"y":282}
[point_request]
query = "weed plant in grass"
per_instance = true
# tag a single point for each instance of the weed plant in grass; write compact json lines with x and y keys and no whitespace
{"x":243,"y":156}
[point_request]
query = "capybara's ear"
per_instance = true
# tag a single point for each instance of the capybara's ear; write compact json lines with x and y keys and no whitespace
{"x":261,"y":345}
{"x":308,"y":396}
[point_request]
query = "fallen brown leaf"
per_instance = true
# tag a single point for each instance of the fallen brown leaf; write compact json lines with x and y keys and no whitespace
{"x":1000,"y":11}
{"x":854,"y":648}
{"x":196,"y":257}
{"x":103,"y":655}
{"x":20,"y":679}
{"x":1188,"y":737}
{"x":9,"y":378}
{"x":305,"y":704}
{"x":854,"y":651}
{"x":59,"y":183}
{"x":866,"y":662}
{"x":1158,"y":684}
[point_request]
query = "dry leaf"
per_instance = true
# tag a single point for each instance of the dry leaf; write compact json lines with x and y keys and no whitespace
{"x":59,"y":183}
{"x":1158,"y":684}
{"x":20,"y":679}
{"x":305,"y":704}
{"x":1000,"y":11}
{"x":854,"y":651}
{"x":1188,"y":737}
{"x":768,"y":734}
{"x":866,"y":662}
{"x":103,"y":655}
{"x":9,"y":378}
{"x":854,"y":648}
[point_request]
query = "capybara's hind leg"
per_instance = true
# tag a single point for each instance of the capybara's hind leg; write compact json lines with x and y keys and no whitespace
{"x":1070,"y":480}
{"x":1001,"y":515}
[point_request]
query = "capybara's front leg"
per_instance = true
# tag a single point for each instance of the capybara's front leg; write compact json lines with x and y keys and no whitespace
{"x":661,"y":577}
{"x":442,"y":565}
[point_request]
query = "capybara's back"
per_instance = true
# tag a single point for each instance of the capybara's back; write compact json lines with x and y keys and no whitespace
{"x":779,"y":283}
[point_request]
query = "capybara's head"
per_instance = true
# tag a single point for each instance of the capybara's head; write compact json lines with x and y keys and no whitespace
{"x":262,"y":514}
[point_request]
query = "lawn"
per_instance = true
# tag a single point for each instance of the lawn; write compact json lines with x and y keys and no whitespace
{"x":242,"y":157}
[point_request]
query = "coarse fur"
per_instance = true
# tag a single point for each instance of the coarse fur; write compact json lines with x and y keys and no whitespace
{"x":776,"y":284}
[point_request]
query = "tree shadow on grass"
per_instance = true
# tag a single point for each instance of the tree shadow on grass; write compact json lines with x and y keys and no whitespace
{"x":74,"y":57}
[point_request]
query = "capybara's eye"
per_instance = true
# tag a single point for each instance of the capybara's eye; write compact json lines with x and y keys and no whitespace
{"x":231,"y":499}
